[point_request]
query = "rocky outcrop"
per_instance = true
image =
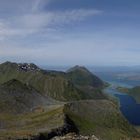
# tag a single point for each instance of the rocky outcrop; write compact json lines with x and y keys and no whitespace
{"x":73,"y":136}
{"x":68,"y":127}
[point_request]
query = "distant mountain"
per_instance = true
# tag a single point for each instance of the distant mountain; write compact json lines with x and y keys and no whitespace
{"x":86,"y":82}
{"x":83,"y":77}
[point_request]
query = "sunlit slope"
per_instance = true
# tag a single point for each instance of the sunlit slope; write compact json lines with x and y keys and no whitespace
{"x":48,"y":84}
{"x":57,"y":85}
{"x":100,"y":117}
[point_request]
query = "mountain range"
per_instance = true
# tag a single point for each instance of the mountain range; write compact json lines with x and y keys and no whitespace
{"x":40,"y":104}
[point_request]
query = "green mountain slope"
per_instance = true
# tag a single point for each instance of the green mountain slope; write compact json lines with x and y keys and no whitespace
{"x":57,"y":85}
{"x":17,"y":98}
{"x":83,"y":77}
{"x":47,"y":83}
{"x":86,"y":82}
{"x":32,"y":125}
{"x":100,"y":117}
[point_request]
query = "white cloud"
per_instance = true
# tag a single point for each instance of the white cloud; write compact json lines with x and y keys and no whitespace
{"x":35,"y":22}
{"x":39,"y":4}
{"x":73,"y":15}
{"x":76,"y":51}
{"x":36,"y":5}
{"x":54,"y":18}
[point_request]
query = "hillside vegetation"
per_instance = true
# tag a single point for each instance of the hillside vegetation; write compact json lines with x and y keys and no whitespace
{"x":101,"y":117}
{"x":40,"y":104}
{"x":83,"y":77}
{"x":17,"y":98}
{"x":54,"y":84}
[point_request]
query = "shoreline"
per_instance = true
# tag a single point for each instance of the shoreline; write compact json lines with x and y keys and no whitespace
{"x":116,"y":100}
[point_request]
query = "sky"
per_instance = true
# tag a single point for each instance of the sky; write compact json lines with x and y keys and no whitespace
{"x":70,"y":32}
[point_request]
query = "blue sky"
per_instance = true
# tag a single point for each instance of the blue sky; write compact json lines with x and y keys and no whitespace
{"x":70,"y":32}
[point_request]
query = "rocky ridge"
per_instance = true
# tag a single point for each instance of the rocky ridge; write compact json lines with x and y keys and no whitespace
{"x":73,"y":136}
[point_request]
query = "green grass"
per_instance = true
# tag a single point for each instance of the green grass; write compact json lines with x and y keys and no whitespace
{"x":83,"y":77}
{"x":53,"y":84}
{"x":32,"y":124}
{"x":101,"y":118}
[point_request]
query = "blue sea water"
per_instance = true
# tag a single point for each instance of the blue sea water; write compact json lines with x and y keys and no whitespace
{"x":128,"y":106}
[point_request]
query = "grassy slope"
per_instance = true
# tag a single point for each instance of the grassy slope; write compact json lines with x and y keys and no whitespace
{"x":83,"y":77}
{"x":53,"y":85}
{"x":86,"y":82}
{"x":16,"y":97}
{"x":31,"y":124}
{"x":100,"y":117}
{"x":57,"y":85}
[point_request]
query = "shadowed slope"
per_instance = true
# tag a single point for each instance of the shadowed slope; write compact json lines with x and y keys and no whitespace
{"x":87,"y":82}
{"x":16,"y":97}
{"x":83,"y":77}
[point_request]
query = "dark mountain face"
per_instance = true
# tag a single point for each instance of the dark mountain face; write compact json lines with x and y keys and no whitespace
{"x":16,"y":98}
{"x":83,"y":77}
{"x":87,"y":82}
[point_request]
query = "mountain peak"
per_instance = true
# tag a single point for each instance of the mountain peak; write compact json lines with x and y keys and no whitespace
{"x":78,"y":68}
{"x":28,"y":66}
{"x":21,"y":66}
{"x":81,"y":76}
